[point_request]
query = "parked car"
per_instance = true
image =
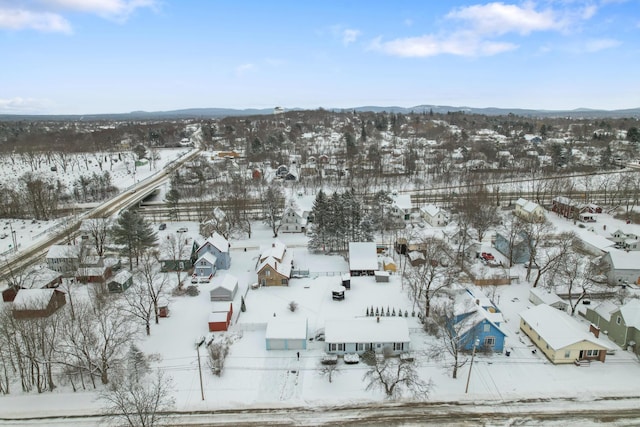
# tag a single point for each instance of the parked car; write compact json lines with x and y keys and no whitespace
{"x":182,"y":230}
{"x":487,"y":256}
{"x":163,"y":226}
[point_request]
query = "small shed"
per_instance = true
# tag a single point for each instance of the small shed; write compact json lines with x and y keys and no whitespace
{"x":388,"y":264}
{"x":337,"y":294}
{"x":286,"y":334}
{"x":416,"y":258}
{"x":346,"y":280}
{"x":163,"y":307}
{"x":220,"y":316}
{"x":382,"y":276}
{"x":120,"y":282}
{"x":226,"y":290}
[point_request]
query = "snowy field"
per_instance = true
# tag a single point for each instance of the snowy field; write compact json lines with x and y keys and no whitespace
{"x":254,"y":377}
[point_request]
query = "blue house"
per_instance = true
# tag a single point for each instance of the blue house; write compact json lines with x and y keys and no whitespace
{"x":516,"y":251}
{"x":217,"y":246}
{"x":477,"y":318}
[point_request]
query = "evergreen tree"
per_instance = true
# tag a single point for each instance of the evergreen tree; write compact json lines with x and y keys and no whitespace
{"x":319,"y":215}
{"x":173,"y":200}
{"x":134,"y":234}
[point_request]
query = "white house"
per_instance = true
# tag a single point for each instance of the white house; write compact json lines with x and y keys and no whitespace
{"x":434,"y":215}
{"x":529,"y":211}
{"x":622,"y":266}
{"x":401,"y":206}
{"x":296,"y":214}
{"x":63,"y":258}
{"x":542,"y":296}
{"x":367,"y":333}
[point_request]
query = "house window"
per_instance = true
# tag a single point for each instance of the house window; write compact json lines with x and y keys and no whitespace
{"x":593,"y":353}
{"x":398,"y":346}
{"x":489,"y":341}
{"x":332,"y":347}
{"x":341,"y":347}
{"x":487,"y":327}
{"x":618,"y":320}
{"x":360,"y":346}
{"x":285,"y":281}
{"x":567,"y":354}
{"x":267,"y":273}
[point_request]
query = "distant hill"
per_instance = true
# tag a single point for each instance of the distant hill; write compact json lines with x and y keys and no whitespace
{"x":227,"y":112}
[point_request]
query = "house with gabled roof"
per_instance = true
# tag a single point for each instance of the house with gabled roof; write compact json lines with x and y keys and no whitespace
{"x":38,"y":277}
{"x":218,"y":246}
{"x":434,"y":215}
{"x":226,"y":290}
{"x":34,"y":303}
{"x":621,"y":323}
{"x":205,"y":266}
{"x":64,"y":259}
{"x":276,"y":250}
{"x":120,"y":282}
{"x":477,"y":321}
{"x":178,"y":255}
{"x":401,"y":206}
{"x":560,"y":337}
{"x":529,"y":211}
{"x":296,"y":214}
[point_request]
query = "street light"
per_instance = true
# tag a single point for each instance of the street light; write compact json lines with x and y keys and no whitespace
{"x":475,"y":344}
{"x":198,"y":344}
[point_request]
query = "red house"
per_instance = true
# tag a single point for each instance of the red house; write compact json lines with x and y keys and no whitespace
{"x":220,"y":316}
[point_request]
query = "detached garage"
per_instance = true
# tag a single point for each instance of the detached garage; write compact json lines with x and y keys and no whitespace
{"x":225,"y":291}
{"x":220,"y":316}
{"x":288,"y":334}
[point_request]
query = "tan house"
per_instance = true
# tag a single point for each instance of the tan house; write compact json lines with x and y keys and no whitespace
{"x":529,"y":211}
{"x":560,"y":337}
{"x":274,"y":266}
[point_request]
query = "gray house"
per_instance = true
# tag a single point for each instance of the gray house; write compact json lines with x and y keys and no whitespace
{"x":622,"y":266}
{"x":518,"y":250}
{"x":620,"y":323}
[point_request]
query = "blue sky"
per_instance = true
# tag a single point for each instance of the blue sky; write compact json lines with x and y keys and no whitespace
{"x":109,"y":56}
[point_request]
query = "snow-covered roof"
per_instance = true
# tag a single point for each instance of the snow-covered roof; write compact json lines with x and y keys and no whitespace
{"x":122,"y":277}
{"x":275,"y":250}
{"x":526,"y":205}
{"x":219,"y":242}
{"x":33,"y":299}
{"x":402,"y":201}
{"x":283,"y":268}
{"x":593,"y":239}
{"x":221,"y":307}
{"x":91,"y":271}
{"x":39,"y":277}
{"x":415,"y":255}
{"x":622,"y":260}
{"x":605,"y":308}
{"x":230,"y":282}
{"x":631,"y":313}
{"x":367,"y":329}
{"x":363,"y":256}
{"x":218,"y":316}
{"x":431,"y":210}
{"x":63,"y":251}
{"x":278,"y":328}
{"x":208,"y":257}
{"x":557,"y":328}
{"x":546,"y":296}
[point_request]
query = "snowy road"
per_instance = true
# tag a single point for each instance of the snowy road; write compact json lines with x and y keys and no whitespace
{"x":530,"y":412}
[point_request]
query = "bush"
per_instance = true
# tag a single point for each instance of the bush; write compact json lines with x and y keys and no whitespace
{"x":293,"y":306}
{"x":192,"y":291}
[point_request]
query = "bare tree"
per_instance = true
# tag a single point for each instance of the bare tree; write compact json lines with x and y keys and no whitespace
{"x":396,"y":377}
{"x":575,"y":277}
{"x":138,"y":402}
{"x":551,"y":258}
{"x":450,"y":337}
{"x":218,"y":351}
{"x":139,"y":304}
{"x":535,"y":233}
{"x":272,"y":207}
{"x":428,"y":280}
{"x":176,"y":249}
{"x":328,"y":371}
{"x":98,"y":229}
{"x":152,"y":280}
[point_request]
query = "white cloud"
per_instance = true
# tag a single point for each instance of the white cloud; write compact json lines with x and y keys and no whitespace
{"x":349,"y":36}
{"x":461,"y":44}
{"x":111,"y":9}
{"x":601,"y":44}
{"x":500,"y":18}
{"x":48,"y":15}
{"x":20,"y":19}
{"x":244,"y":68}
{"x":23,"y":105}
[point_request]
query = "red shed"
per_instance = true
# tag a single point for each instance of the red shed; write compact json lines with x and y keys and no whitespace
{"x":220,"y":317}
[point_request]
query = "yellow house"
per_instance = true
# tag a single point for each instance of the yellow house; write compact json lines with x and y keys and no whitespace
{"x":274,"y":265}
{"x":529,"y":211}
{"x":560,"y":337}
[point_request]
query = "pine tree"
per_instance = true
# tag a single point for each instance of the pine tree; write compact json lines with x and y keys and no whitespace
{"x":134,"y":234}
{"x":319,"y":215}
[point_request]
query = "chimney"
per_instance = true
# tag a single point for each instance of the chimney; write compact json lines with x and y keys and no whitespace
{"x":273,"y":245}
{"x":477,"y":302}
{"x":378,"y":319}
{"x":594,"y":330}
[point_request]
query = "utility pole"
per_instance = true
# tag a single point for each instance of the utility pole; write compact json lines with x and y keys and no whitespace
{"x":473,"y":354}
{"x":198,"y":344}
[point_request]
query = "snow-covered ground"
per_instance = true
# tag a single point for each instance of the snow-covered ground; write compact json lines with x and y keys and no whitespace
{"x":255,"y":377}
